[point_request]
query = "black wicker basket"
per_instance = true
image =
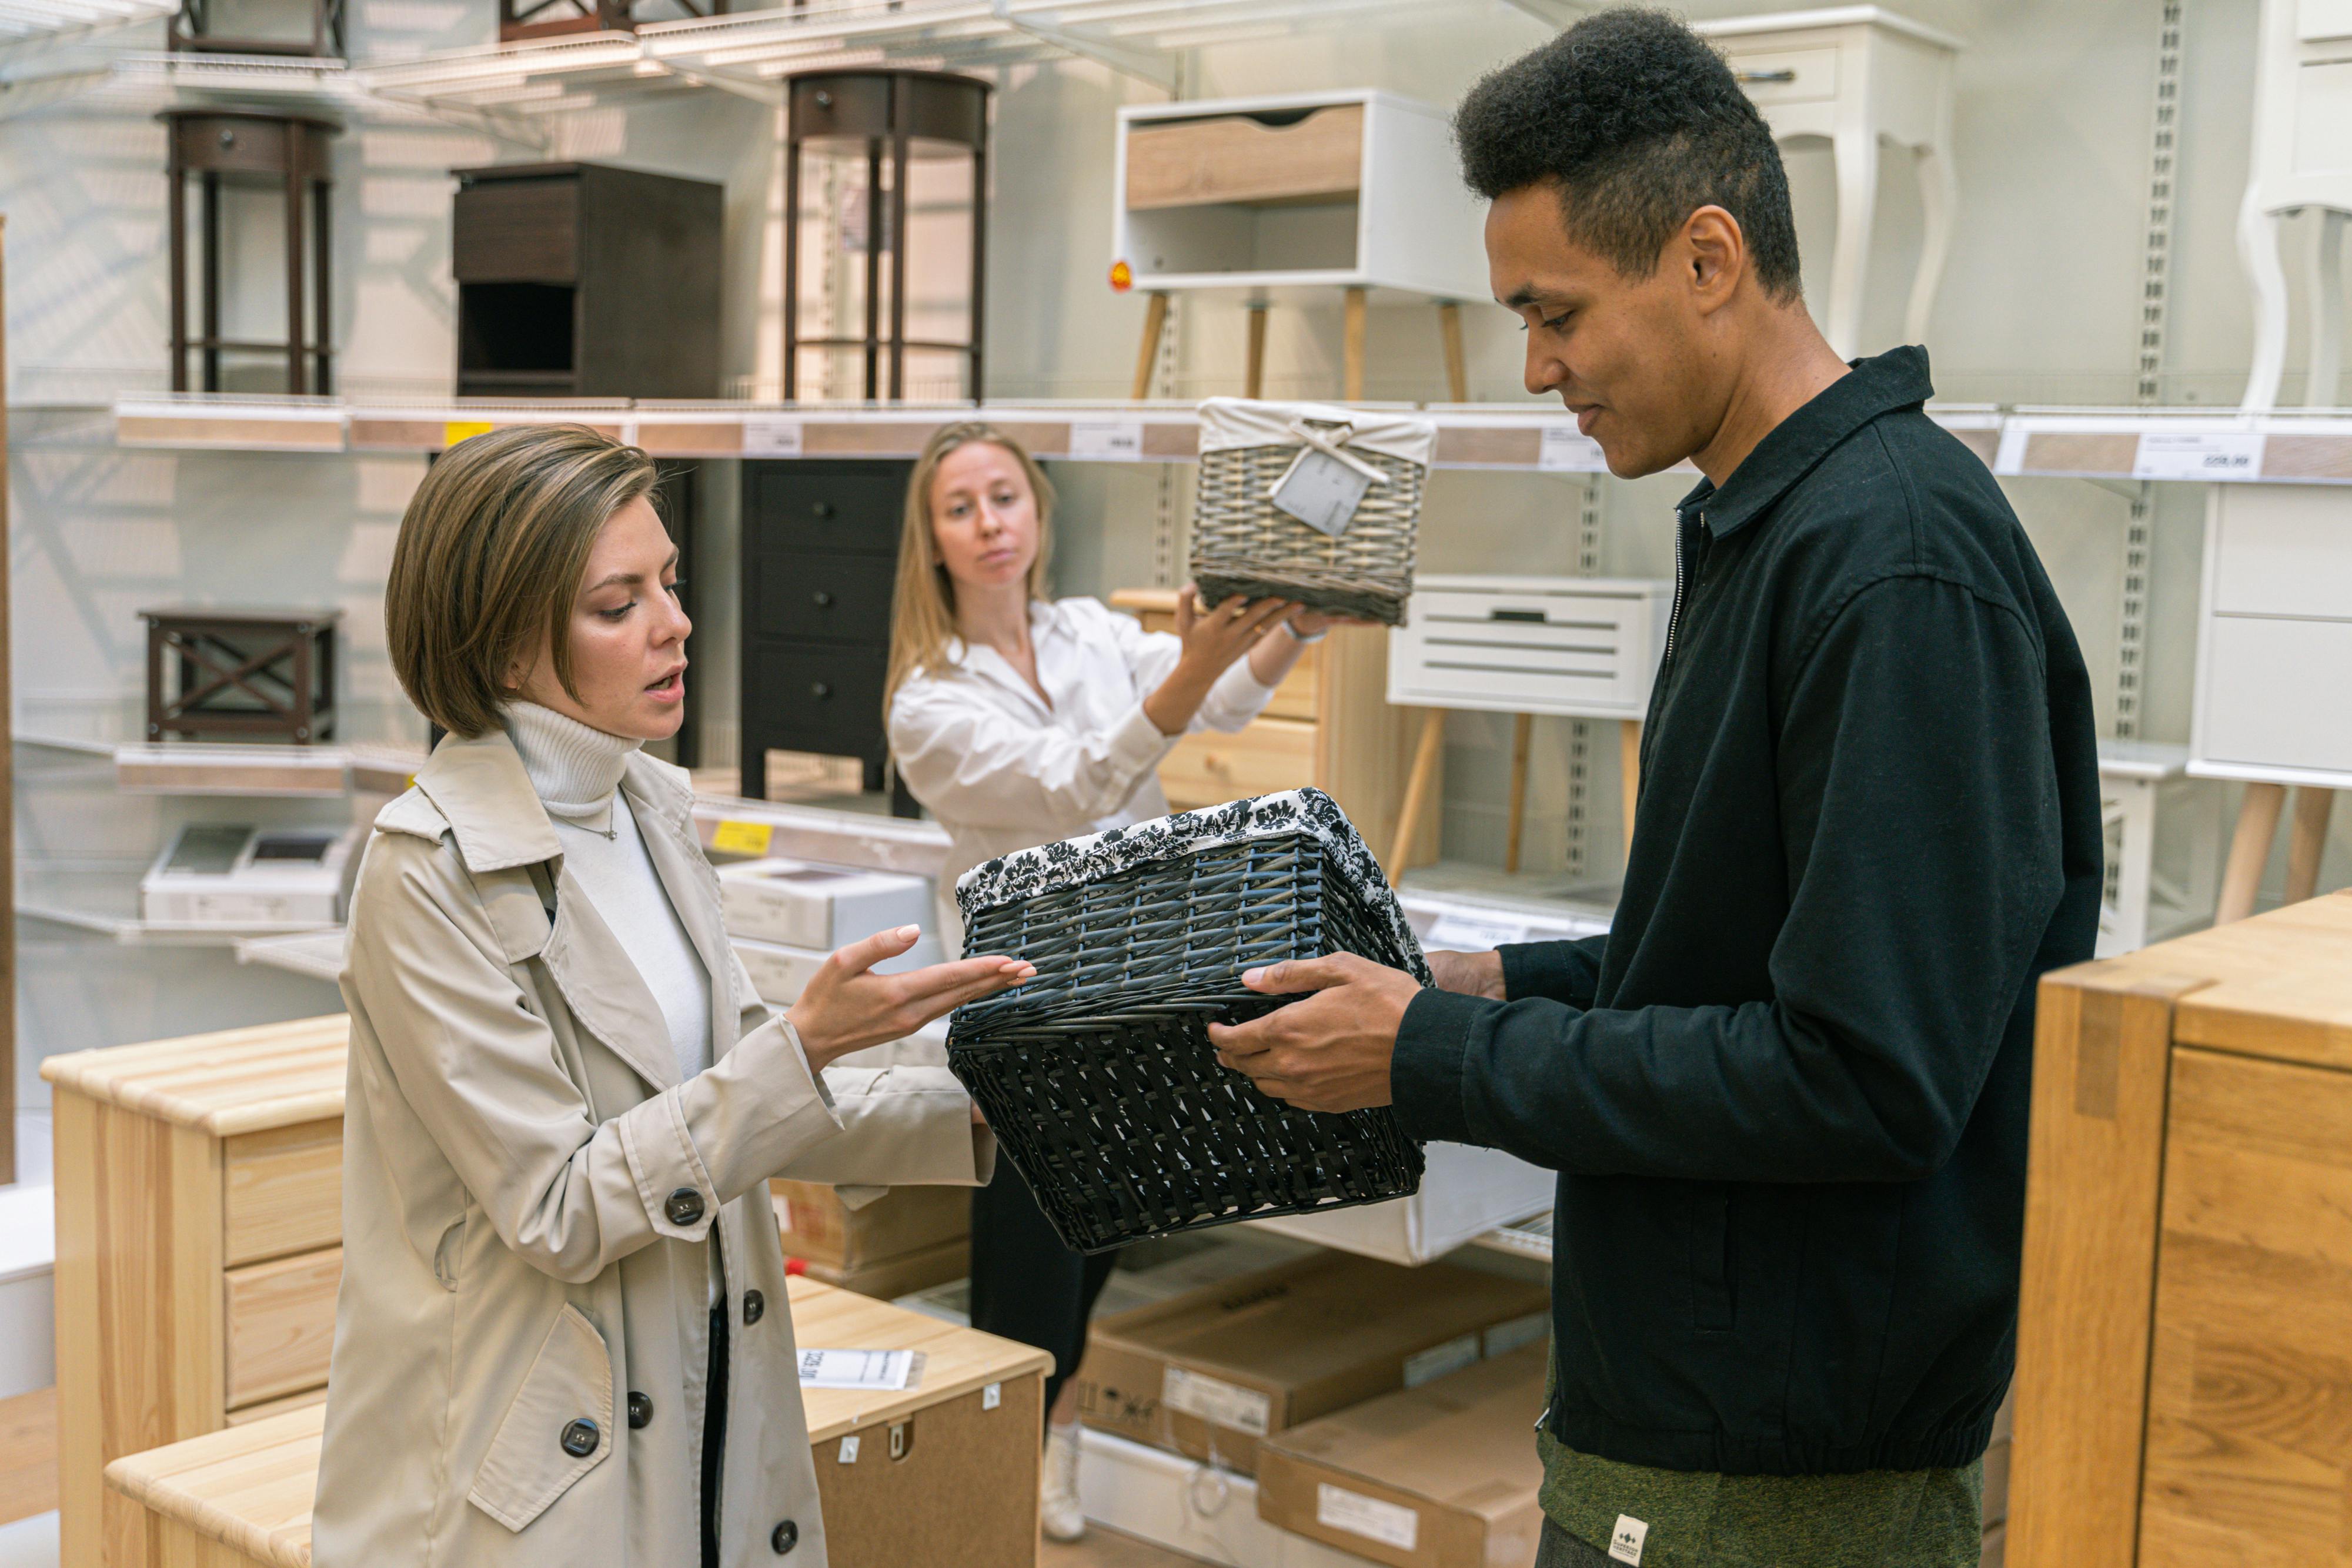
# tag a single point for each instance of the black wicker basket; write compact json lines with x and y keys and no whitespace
{"x":1097,"y":1076}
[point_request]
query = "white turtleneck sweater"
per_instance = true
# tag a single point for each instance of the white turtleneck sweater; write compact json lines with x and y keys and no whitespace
{"x":577,"y":772}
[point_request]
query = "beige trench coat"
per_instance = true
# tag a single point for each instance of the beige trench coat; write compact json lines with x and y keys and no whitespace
{"x":531,"y":1196}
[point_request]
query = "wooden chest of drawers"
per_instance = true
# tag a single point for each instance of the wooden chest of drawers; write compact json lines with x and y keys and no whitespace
{"x":199,"y":1214}
{"x":1329,"y":724}
{"x":2184,"y":1382}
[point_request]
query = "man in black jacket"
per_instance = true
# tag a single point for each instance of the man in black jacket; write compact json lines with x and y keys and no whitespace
{"x":1786,"y":1093}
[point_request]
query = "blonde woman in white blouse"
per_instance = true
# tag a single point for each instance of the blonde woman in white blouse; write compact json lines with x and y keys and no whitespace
{"x":1017,"y":721}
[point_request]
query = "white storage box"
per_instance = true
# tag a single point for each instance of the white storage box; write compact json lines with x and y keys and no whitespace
{"x":1466,"y":1193}
{"x":799,"y":904}
{"x":1190,"y":1507}
{"x":1573,"y":647}
{"x":223,"y":874}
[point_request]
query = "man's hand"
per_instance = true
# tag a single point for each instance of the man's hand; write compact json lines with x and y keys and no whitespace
{"x":1472,"y":974}
{"x":1328,"y":1051}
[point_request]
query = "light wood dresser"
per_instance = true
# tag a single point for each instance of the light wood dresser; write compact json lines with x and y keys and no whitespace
{"x":945,"y":1472}
{"x":2185,"y":1337}
{"x":199,"y":1216}
{"x":1329,"y":724}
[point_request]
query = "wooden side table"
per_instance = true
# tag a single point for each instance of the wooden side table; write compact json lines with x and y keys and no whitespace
{"x":242,"y":146}
{"x":268,"y":674}
{"x":199,"y":1215}
{"x":1857,"y":76}
{"x":943,"y":1472}
{"x":2188,"y":1264}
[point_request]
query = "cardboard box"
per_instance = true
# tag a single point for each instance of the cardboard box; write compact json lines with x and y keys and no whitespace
{"x":1210,"y":1372}
{"x":1441,"y":1476}
{"x":894,"y":1277}
{"x":799,"y":904}
{"x":780,"y":973}
{"x":1189,"y":1508}
{"x":1466,"y":1193}
{"x":818,"y":1227}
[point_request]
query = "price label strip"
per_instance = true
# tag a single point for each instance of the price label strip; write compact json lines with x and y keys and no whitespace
{"x":1564,"y":451}
{"x":877,"y":1370}
{"x":2199,"y":455}
{"x":1107,"y":440}
{"x":772,"y":436}
{"x":734,"y":838}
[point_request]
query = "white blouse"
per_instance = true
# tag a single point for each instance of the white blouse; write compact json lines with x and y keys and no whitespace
{"x":1003,"y":771}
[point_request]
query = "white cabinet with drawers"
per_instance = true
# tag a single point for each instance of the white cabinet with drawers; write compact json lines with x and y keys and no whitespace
{"x":1572,"y":647}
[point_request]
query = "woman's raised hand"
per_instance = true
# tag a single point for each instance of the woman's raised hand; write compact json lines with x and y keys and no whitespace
{"x":846,"y":1007}
{"x":1213,"y":640}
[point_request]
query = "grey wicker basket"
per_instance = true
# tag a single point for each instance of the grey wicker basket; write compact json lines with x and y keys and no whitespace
{"x":1243,"y":543}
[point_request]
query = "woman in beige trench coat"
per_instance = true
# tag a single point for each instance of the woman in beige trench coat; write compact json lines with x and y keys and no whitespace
{"x":558,"y":1240}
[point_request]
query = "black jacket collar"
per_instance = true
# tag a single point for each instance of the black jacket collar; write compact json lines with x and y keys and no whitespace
{"x":1893,"y":380}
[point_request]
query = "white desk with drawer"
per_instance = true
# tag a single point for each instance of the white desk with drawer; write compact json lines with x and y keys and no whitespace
{"x":1567,"y":647}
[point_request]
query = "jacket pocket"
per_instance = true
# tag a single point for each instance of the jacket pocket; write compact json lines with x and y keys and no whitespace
{"x":558,"y":1428}
{"x":1710,"y":1260}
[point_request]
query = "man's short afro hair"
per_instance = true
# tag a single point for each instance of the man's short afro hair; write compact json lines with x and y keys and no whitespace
{"x":1638,"y":123}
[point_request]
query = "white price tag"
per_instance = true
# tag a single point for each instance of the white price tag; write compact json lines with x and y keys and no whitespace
{"x":1369,"y":1517}
{"x":848,"y":1455}
{"x":1438,"y":1360}
{"x":1107,"y":440}
{"x":991,"y":1395}
{"x":2199,"y":455}
{"x":880,"y":1369}
{"x":772,"y":436}
{"x":1564,"y":451}
{"x":1473,"y":933}
{"x":1215,"y":1401}
{"x":1625,"y":1540}
{"x":1322,"y":492}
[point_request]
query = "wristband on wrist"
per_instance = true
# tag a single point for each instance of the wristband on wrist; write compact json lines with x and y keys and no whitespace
{"x":1298,"y":636}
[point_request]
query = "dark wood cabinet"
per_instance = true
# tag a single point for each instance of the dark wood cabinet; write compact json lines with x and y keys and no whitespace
{"x":585,"y":280}
{"x":820,"y":555}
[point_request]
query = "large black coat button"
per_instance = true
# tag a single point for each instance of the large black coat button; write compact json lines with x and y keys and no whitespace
{"x":579,"y":1438}
{"x":755,"y":1307}
{"x":785,"y":1536}
{"x":641,"y":1411}
{"x":685,"y":1206}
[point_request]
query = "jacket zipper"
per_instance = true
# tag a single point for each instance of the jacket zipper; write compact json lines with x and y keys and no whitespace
{"x":1674,"y":615}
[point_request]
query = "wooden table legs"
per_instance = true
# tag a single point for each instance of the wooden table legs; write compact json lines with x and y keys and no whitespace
{"x":1351,"y":359}
{"x":1155,"y":320}
{"x":2250,"y":848}
{"x":1351,"y":373}
{"x":1522,"y":724}
{"x":1425,"y":757}
{"x":1449,"y":333}
{"x":1629,"y":770}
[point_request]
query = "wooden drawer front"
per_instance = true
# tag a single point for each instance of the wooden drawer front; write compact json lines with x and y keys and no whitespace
{"x":282,"y":1191}
{"x":2274,"y":693}
{"x":281,"y":1326}
{"x":1208,"y":769}
{"x":854,"y":506}
{"x":804,"y":696}
{"x":1590,"y":657}
{"x":1787,"y":76}
{"x":2250,"y":1391}
{"x":2287,"y":550}
{"x":1240,"y":158}
{"x":517,"y":231}
{"x":822,"y":598}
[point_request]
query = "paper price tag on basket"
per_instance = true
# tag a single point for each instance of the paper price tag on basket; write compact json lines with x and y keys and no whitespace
{"x":2199,"y":455}
{"x":1322,"y":492}
{"x":870,"y":1369}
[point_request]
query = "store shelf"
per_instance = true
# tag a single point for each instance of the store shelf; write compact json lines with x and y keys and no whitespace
{"x":102,"y":897}
{"x":1530,"y":1237}
{"x":318,"y":954}
{"x":2286,"y":447}
{"x":738,"y":827}
{"x":54,"y":21}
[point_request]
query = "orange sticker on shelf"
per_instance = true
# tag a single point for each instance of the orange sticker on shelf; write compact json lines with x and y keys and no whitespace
{"x":735,"y":838}
{"x":458,"y":430}
{"x":1122,"y":276}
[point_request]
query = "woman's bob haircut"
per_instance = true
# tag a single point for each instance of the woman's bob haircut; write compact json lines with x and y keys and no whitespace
{"x":490,"y":557}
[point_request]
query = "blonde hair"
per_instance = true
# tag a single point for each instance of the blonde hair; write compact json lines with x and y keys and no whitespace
{"x":922,"y":606}
{"x":489,"y":558}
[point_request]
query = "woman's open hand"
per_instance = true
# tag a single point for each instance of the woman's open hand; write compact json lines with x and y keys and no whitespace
{"x":1213,"y":640}
{"x":846,"y":1007}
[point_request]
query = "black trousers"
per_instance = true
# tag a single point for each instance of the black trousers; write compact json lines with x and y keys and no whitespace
{"x":714,"y":1436}
{"x":1025,"y":1285}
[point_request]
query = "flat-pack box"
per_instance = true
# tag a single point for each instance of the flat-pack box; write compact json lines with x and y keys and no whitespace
{"x":819,"y":1228}
{"x":780,"y":973}
{"x":1465,"y":1192}
{"x":1441,"y":1476}
{"x":888,"y":1279}
{"x":1210,"y":1372}
{"x":799,"y":904}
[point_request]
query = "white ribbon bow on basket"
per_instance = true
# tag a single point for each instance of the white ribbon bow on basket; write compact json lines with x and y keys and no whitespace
{"x":1333,"y":446}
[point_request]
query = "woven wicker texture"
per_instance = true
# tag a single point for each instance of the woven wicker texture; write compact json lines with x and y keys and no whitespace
{"x":1243,"y":543}
{"x":1098,"y":1078}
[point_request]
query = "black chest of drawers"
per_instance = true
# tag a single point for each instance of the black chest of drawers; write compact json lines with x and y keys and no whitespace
{"x":820,"y":554}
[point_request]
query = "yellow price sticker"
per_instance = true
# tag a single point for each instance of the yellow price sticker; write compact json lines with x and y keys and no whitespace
{"x":458,"y":430}
{"x":741,"y":838}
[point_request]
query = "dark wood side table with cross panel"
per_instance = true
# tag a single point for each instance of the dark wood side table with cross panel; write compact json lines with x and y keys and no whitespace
{"x":250,"y":675}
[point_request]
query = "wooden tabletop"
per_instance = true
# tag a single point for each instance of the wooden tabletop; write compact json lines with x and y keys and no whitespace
{"x":250,"y":1487}
{"x":2277,"y":986}
{"x":238,"y":1080}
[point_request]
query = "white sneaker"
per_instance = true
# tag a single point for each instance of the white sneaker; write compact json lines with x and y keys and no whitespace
{"x":1058,"y":1509}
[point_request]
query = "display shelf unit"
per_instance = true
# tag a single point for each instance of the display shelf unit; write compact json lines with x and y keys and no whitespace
{"x":2285,"y":447}
{"x":26,"y":22}
{"x":197,"y":767}
{"x":102,"y":896}
{"x":318,"y":954}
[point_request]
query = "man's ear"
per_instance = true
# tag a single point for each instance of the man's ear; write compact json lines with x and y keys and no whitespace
{"x":1711,"y":256}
